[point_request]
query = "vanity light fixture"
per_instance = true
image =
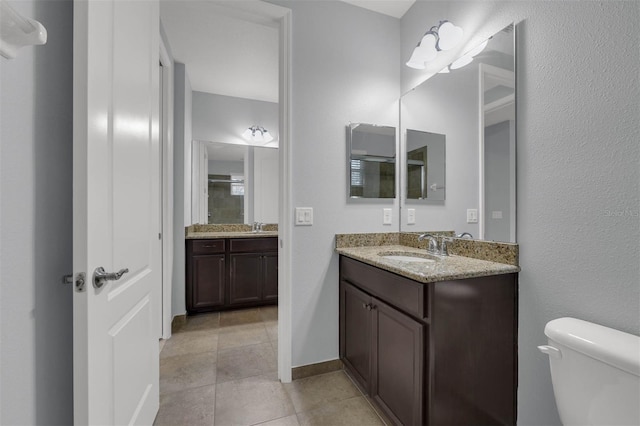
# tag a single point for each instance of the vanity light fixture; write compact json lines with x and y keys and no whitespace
{"x":467,"y":58}
{"x":444,"y":36}
{"x":257,"y":133}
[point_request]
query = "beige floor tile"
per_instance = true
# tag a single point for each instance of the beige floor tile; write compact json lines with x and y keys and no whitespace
{"x":272,"y":329}
{"x":187,"y":371}
{"x":190,"y":342}
{"x":245,"y":361}
{"x":242,"y":335}
{"x":190,"y":407}
{"x":315,"y":391}
{"x":240,"y":317}
{"x":348,"y":412}
{"x":283,"y":421}
{"x":269,"y":313}
{"x":200,"y":322}
{"x":251,"y":400}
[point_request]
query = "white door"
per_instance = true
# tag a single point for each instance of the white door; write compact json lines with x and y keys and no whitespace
{"x":115,"y":218}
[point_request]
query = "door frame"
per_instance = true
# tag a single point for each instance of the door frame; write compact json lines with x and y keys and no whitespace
{"x":166,"y":146}
{"x":285,"y":214}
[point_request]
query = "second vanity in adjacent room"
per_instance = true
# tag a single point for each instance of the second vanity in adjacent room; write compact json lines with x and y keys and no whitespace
{"x":431,"y":339}
{"x":230,"y":267}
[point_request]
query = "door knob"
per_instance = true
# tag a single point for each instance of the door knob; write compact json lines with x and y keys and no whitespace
{"x":100,"y":276}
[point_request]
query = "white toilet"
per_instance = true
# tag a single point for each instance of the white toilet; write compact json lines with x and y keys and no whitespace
{"x":595,"y":372}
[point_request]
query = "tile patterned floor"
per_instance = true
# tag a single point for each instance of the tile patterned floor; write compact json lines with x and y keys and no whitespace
{"x":221,"y":369}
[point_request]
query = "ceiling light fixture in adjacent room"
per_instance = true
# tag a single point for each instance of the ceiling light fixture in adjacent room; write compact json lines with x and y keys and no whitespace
{"x":444,"y":36}
{"x":257,"y":133}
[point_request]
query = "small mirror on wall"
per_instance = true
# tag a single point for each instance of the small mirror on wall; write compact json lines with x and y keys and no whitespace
{"x":425,"y":165}
{"x":371,"y":162}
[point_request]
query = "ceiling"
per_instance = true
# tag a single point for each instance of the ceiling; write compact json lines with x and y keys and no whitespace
{"x":230,"y":47}
{"x":395,"y":8}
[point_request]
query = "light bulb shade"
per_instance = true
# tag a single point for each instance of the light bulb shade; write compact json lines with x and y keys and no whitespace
{"x":461,"y":62}
{"x":247,"y":134}
{"x":267,"y":136}
{"x":444,"y":70}
{"x":478,"y":49}
{"x":449,"y":36}
{"x":257,"y":136}
{"x":427,"y":49}
{"x":415,"y":62}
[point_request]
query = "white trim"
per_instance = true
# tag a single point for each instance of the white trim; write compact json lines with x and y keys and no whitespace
{"x":285,"y":226}
{"x":167,"y":188}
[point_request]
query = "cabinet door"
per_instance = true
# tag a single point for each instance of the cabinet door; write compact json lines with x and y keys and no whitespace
{"x":270,"y":276}
{"x":245,"y":278}
{"x":355,"y":333}
{"x":398,"y":364}
{"x":207,"y":281}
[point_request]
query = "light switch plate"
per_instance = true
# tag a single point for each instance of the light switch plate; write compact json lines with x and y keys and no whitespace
{"x":411,"y":216}
{"x":304,"y":216}
{"x":472,"y":215}
{"x":386,"y":216}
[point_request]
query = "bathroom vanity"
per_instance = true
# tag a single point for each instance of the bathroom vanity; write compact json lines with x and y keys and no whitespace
{"x":434,"y":342}
{"x":231,"y":270}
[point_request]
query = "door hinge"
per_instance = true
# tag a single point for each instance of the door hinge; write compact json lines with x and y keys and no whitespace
{"x":160,"y":236}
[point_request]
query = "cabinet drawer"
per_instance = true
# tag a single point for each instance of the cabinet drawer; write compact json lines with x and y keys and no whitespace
{"x":207,"y":246}
{"x":403,"y":293}
{"x":253,"y":245}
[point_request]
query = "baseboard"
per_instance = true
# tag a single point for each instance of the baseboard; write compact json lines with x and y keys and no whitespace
{"x":316,"y":369}
{"x":177,"y":322}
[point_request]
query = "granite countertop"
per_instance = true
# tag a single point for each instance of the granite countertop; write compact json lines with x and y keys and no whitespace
{"x":228,"y":234}
{"x":443,"y":269}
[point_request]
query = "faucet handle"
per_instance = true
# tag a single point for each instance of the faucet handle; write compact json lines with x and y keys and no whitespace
{"x":444,"y":246}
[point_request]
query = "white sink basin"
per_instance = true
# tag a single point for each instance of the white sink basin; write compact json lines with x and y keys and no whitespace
{"x":407,"y":258}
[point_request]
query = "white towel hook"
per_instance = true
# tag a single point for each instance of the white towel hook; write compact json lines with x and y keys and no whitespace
{"x":16,"y":31}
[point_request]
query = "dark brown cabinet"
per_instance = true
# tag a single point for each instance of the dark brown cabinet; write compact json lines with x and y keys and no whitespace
{"x":232,"y":272}
{"x":435,"y":354}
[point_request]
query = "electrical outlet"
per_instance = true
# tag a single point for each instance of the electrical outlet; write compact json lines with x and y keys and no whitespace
{"x":472,"y":215}
{"x":496,"y":214}
{"x":386,"y":216}
{"x":411,"y":216}
{"x":304,"y":216}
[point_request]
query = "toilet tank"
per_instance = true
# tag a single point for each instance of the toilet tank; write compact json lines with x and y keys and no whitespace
{"x":595,"y":372}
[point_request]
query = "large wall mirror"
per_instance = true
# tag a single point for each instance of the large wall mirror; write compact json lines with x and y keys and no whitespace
{"x":470,"y":112}
{"x":371,"y":161}
{"x":240,"y":182}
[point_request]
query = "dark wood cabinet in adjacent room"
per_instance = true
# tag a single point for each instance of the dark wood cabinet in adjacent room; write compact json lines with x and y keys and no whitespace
{"x":231,"y":272}
{"x":442,"y":353}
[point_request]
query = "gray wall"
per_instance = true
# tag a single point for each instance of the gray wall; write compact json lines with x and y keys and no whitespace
{"x":181,"y":185}
{"x":345,"y":69}
{"x":218,"y":118}
{"x":577,"y":158}
{"x":36,"y":137}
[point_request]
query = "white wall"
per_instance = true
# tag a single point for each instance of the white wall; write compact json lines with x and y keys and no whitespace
{"x":182,"y":186}
{"x":345,"y":69}
{"x":235,"y":168}
{"x":218,"y":118}
{"x":36,"y":330}
{"x":266,"y":173}
{"x":577,"y":158}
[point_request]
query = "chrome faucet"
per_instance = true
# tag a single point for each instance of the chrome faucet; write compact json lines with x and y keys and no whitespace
{"x":444,"y":246}
{"x":433,"y":243}
{"x":465,"y":234}
{"x":257,"y":227}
